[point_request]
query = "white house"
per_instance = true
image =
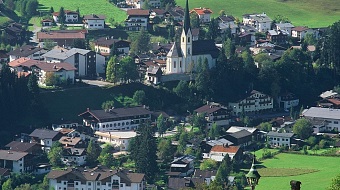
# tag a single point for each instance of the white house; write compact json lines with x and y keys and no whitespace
{"x":87,"y":62}
{"x":285,"y":27}
{"x":204,"y":14}
{"x":288,"y":100}
{"x":301,"y":31}
{"x":70,"y":16}
{"x":45,"y":137}
{"x":104,"y":45}
{"x":261,"y":22}
{"x":218,"y":152}
{"x":254,"y":102}
{"x":73,"y":156}
{"x":99,"y":178}
{"x":93,"y":21}
{"x":124,"y":119}
{"x":119,"y":139}
{"x":17,"y":162}
{"x":28,"y":51}
{"x":137,"y":19}
{"x":323,"y":119}
{"x":277,"y":139}
{"x":184,"y":57}
{"x":215,"y":113}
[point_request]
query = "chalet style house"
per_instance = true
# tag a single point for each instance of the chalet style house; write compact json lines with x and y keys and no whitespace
{"x":215,"y":114}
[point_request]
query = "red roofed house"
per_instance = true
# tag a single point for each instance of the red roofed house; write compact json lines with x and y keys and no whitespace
{"x":300,"y":32}
{"x":62,"y":37}
{"x":203,"y":14}
{"x":218,"y":152}
{"x":70,"y":16}
{"x":215,"y":113}
{"x":46,"y":22}
{"x":137,"y":19}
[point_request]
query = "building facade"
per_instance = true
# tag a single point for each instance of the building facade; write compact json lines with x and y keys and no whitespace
{"x":119,"y":139}
{"x":277,"y":139}
{"x":323,"y":119}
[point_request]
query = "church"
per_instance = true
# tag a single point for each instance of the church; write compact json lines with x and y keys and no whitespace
{"x":185,"y":54}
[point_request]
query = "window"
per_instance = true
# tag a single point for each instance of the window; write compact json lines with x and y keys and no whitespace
{"x":336,"y":122}
{"x":118,"y":124}
{"x":89,"y":183}
{"x":183,"y":39}
{"x":174,"y":64}
{"x":189,"y":51}
{"x":180,"y":64}
{"x":64,"y":182}
{"x":110,"y":124}
{"x":121,"y":185}
{"x":114,"y":124}
{"x":189,"y":39}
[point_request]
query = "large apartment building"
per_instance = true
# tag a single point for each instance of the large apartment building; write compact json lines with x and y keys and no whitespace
{"x":323,"y":119}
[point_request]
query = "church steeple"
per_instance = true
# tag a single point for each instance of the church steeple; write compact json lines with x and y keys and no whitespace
{"x":186,"y":26}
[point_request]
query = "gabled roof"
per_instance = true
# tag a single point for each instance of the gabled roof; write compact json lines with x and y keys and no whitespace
{"x":208,"y":109}
{"x":240,"y":134}
{"x":299,"y":28}
{"x":183,"y":183}
{"x":183,"y":159}
{"x":62,"y":34}
{"x":225,"y":149}
{"x":202,"y":11}
{"x":138,"y":12}
{"x":74,"y":151}
{"x":154,"y":70}
{"x":175,"y":51}
{"x":326,"y":113}
{"x":25,"y":51}
{"x":72,"y":141}
{"x":44,"y":134}
{"x":63,"y":54}
{"x":94,"y":17}
{"x":69,"y":12}
{"x":201,"y":47}
{"x":205,"y":173}
{"x":227,"y":18}
{"x":277,"y":134}
{"x":234,"y":129}
{"x":4,"y":172}
{"x":21,"y":146}
{"x":11,"y":155}
{"x":284,"y":25}
{"x":47,"y":67}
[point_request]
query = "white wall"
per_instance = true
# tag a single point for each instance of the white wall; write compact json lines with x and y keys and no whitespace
{"x":95,"y":24}
{"x":278,"y":141}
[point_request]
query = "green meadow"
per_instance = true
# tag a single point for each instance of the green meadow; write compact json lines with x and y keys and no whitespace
{"x":311,"y":13}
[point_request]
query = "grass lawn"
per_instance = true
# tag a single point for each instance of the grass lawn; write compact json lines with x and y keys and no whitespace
{"x":315,"y":172}
{"x":86,"y":7}
{"x":4,"y":19}
{"x":259,"y":153}
{"x":312,"y":13}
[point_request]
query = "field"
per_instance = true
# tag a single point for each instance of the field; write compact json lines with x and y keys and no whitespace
{"x":312,"y":13}
{"x":315,"y":172}
{"x":86,"y":7}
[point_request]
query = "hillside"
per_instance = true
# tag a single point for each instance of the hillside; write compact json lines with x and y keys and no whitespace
{"x":86,"y":7}
{"x":312,"y":13}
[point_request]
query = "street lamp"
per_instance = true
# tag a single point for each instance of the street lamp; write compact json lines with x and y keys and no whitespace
{"x":253,"y":175}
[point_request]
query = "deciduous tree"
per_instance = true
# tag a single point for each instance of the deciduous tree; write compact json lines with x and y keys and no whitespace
{"x":303,"y":128}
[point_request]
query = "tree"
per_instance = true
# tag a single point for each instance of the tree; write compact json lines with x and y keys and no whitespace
{"x":7,"y":185}
{"x":31,"y":7}
{"x":281,"y":18}
{"x":127,"y":70}
{"x":168,"y":4}
{"x":165,"y":150}
{"x":108,"y":104}
{"x":229,"y":48}
{"x":214,"y":132}
{"x":265,"y":126}
{"x":111,"y":69}
{"x":49,"y":44}
{"x":199,"y":121}
{"x":303,"y":128}
{"x":51,"y":79}
{"x":93,"y":152}
{"x":51,"y":10}
{"x":182,"y":142}
{"x":335,"y":185}
{"x":161,"y":125}
{"x":106,"y":158}
{"x":139,"y":97}
{"x":182,"y":89}
{"x":141,"y":43}
{"x":10,"y":4}
{"x":61,"y":17}
{"x":224,"y":171}
{"x":213,"y":30}
{"x":194,"y":20}
{"x":55,"y":154}
{"x":79,"y":43}
{"x":145,"y":152}
{"x":209,"y":164}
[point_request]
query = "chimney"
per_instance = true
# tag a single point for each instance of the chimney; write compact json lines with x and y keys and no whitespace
{"x":87,"y":109}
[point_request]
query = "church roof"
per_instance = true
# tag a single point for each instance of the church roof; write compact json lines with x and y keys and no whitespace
{"x":200,"y":47}
{"x":186,"y":18}
{"x":175,"y":51}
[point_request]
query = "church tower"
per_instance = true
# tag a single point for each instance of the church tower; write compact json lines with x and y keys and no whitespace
{"x":186,"y":37}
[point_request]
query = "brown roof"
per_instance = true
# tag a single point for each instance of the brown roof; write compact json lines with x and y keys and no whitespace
{"x":45,"y":134}
{"x":72,"y":141}
{"x":299,"y":28}
{"x":94,"y":17}
{"x":25,"y":51}
{"x":227,"y":149}
{"x":205,"y":173}
{"x":69,"y":12}
{"x":21,"y":146}
{"x":11,"y":155}
{"x":23,"y":62}
{"x":208,"y":109}
{"x":137,"y":12}
{"x":62,"y":34}
{"x":334,"y":101}
{"x":48,"y":67}
{"x":202,"y":11}
{"x":4,"y":172}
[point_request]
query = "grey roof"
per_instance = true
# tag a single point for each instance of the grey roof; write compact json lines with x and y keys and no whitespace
{"x":24,"y":51}
{"x":241,"y":134}
{"x":94,"y":17}
{"x":277,"y":134}
{"x":21,"y":146}
{"x":154,"y":70}
{"x":201,"y":47}
{"x":326,"y":113}
{"x":11,"y":155}
{"x":221,"y":141}
{"x":284,"y":25}
{"x":44,"y":134}
{"x":62,"y":54}
{"x":205,"y":173}
{"x":175,"y":51}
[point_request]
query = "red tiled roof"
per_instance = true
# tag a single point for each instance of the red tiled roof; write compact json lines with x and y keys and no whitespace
{"x":299,"y":28}
{"x":227,"y":149}
{"x":202,"y":11}
{"x":334,"y":101}
{"x":136,"y":12}
{"x":48,"y":67}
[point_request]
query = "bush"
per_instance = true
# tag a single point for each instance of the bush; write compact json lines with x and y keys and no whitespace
{"x":267,"y":154}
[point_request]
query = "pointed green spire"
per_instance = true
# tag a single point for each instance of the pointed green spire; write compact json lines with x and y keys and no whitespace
{"x":186,"y":18}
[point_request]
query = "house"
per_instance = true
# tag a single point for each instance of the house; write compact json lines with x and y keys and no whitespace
{"x":153,"y":75}
{"x":184,"y":183}
{"x":207,"y":175}
{"x":17,"y":162}
{"x":72,"y":142}
{"x":93,"y":21}
{"x":31,"y":148}
{"x":285,"y":27}
{"x":253,"y":103}
{"x":300,"y":32}
{"x":323,"y":119}
{"x":63,"y":38}
{"x":4,"y":173}
{"x":241,"y":138}
{"x":227,"y":22}
{"x":277,"y":36}
{"x":137,"y":19}
{"x":63,"y":71}
{"x":87,"y":63}
{"x":45,"y":137}
{"x":98,"y":178}
{"x":119,"y":139}
{"x":256,"y":134}
{"x":261,"y":22}
{"x":104,"y":46}
{"x":28,"y":51}
{"x":46,"y":23}
{"x":175,"y":14}
{"x":204,"y":14}
{"x":215,"y":113}
{"x":206,"y":145}
{"x":74,"y":156}
{"x":160,"y":13}
{"x":183,"y":56}
{"x":182,"y":166}
{"x":42,"y":168}
{"x":15,"y":34}
{"x":116,"y":118}
{"x":70,"y":16}
{"x":218,"y":152}
{"x":277,"y":139}
{"x":288,"y":100}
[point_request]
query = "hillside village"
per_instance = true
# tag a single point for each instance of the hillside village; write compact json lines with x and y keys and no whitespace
{"x":195,"y":101}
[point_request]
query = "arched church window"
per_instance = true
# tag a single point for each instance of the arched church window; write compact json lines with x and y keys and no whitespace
{"x":189,"y":51}
{"x":188,"y":39}
{"x":180,"y":64}
{"x":183,"y":39}
{"x":174,"y":64}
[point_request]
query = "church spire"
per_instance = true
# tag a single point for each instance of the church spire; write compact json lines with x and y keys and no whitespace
{"x":186,"y":18}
